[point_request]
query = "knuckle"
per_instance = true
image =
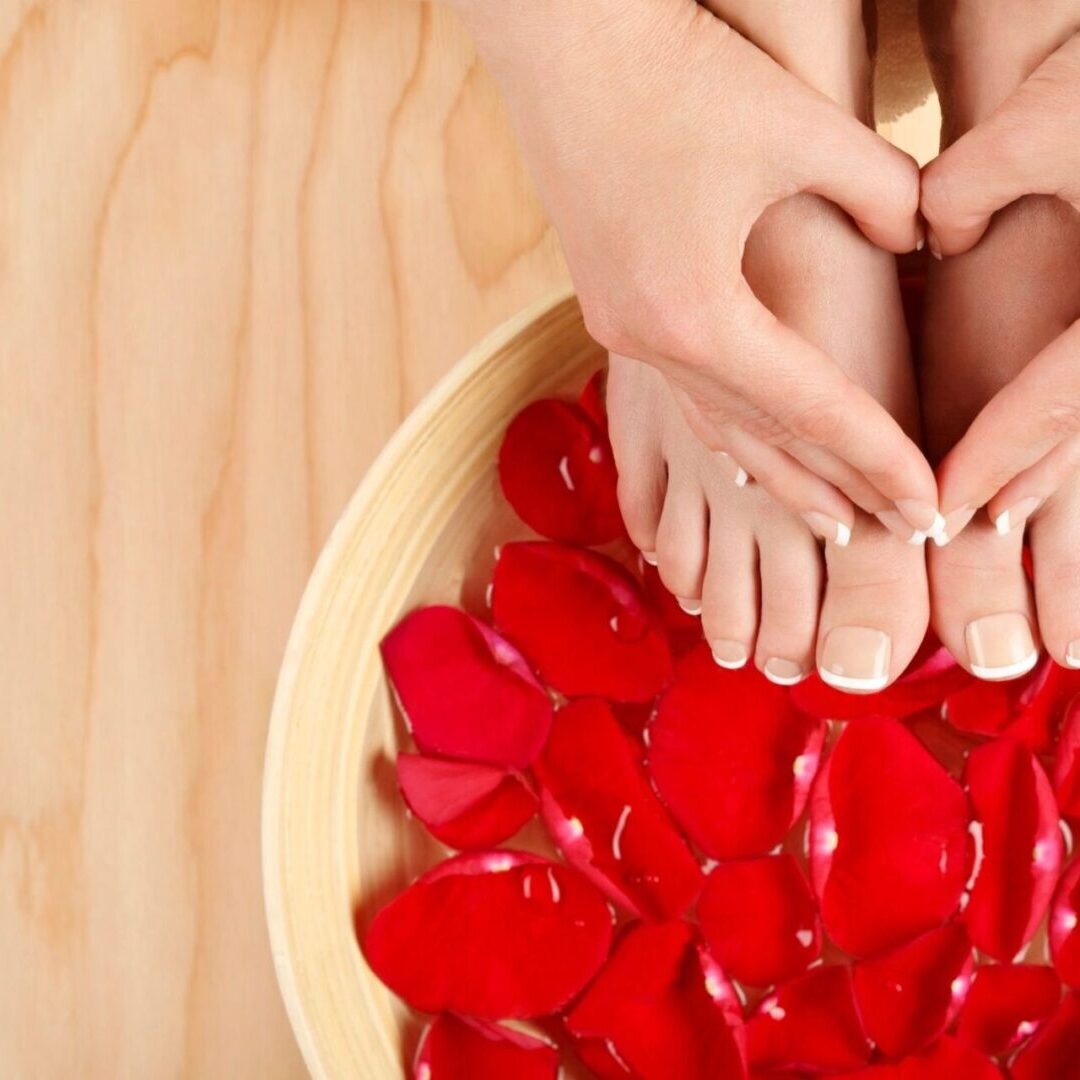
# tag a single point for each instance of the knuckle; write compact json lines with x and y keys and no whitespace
{"x":819,"y":423}
{"x":1061,"y":418}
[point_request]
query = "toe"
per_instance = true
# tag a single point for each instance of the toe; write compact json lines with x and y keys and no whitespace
{"x":681,"y":542}
{"x":875,"y":611}
{"x":730,"y":593}
{"x":982,"y":602}
{"x":1055,"y":554}
{"x":791,"y":573}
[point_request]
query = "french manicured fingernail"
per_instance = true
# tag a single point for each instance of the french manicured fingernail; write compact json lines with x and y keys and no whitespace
{"x":783,"y":672}
{"x":729,"y":654}
{"x":1013,"y":518}
{"x":856,"y":658}
{"x":920,"y":515}
{"x":828,"y":528}
{"x":932,"y":243}
{"x":899,"y":526}
{"x":741,"y":477}
{"x":691,"y":607}
{"x":650,"y":557}
{"x":955,"y":523}
{"x":1072,"y":654}
{"x":1000,"y":646}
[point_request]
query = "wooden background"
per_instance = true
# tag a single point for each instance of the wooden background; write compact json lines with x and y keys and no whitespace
{"x":239,"y":239}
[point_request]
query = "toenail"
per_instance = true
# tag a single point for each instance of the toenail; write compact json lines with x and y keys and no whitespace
{"x":783,"y":672}
{"x":650,"y":557}
{"x":1072,"y":654}
{"x":899,"y":526}
{"x":729,"y":654}
{"x":828,"y":528}
{"x":1013,"y":518}
{"x":691,"y":607}
{"x":1001,"y":646}
{"x":955,"y":523}
{"x":741,"y":477}
{"x":856,"y":658}
{"x":921,"y":516}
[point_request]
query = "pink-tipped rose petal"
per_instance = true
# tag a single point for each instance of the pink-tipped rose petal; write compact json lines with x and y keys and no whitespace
{"x":759,"y":919}
{"x":1064,"y":927}
{"x":464,"y":690}
{"x":582,"y":620}
{"x":1005,"y":1006}
{"x":493,"y":935}
{"x":457,"y":1048}
{"x":1066,"y":774}
{"x":731,"y":757}
{"x":1054,"y":1050}
{"x":889,"y":846}
{"x":605,"y":818}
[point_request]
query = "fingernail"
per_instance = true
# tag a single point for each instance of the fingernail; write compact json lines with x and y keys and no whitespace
{"x":955,"y":522}
{"x":729,"y":654}
{"x":1016,"y":515}
{"x":932,"y":243}
{"x":783,"y":672}
{"x":1072,"y":654}
{"x":691,"y":607}
{"x":856,"y":658}
{"x":920,"y":515}
{"x":650,"y":557}
{"x":828,"y":528}
{"x":920,"y":241}
{"x":899,"y":526}
{"x":1000,"y":646}
{"x":741,"y":477}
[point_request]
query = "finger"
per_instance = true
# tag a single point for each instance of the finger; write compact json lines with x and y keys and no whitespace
{"x":1022,"y":496}
{"x":1017,"y":428}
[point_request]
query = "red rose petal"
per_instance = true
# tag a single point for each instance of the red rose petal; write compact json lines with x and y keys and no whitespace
{"x":1022,"y":846}
{"x":684,"y":630}
{"x":908,"y":997}
{"x":605,"y":818}
{"x":593,"y":398}
{"x":465,"y":692}
{"x":889,"y":847}
{"x":1067,"y":763}
{"x":453,"y":1048}
{"x":759,"y":920}
{"x":465,"y":804}
{"x":932,"y":674}
{"x":1005,"y":1006}
{"x":1054,"y":1050}
{"x":731,"y":756}
{"x":1064,"y":927}
{"x":495,"y":935}
{"x":662,"y":1008}
{"x":947,"y":1059}
{"x":811,"y":1022}
{"x":558,"y":473}
{"x":582,"y":619}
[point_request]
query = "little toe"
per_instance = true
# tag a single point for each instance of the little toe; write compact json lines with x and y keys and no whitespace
{"x":730,"y":593}
{"x":1054,"y":535}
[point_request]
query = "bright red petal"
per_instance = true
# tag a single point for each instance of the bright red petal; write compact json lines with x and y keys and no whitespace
{"x":812,"y":1023}
{"x":1054,"y":1050}
{"x":605,"y":818}
{"x":889,"y":846}
{"x":1067,"y":763}
{"x":593,"y":398}
{"x":453,"y":1048}
{"x":663,"y":1009}
{"x":684,"y":630}
{"x":759,"y":919}
{"x":465,"y":691}
{"x":1064,"y":927}
{"x":932,"y":674}
{"x":491,"y":935}
{"x":908,"y":997}
{"x":1022,"y":846}
{"x":731,"y":757}
{"x":558,"y":473}
{"x":582,"y":619}
{"x":465,"y":804}
{"x":947,"y":1059}
{"x":1005,"y":1006}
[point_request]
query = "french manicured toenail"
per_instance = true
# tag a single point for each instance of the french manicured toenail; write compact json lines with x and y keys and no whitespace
{"x":955,"y":523}
{"x":1072,"y":654}
{"x":856,"y":658}
{"x":783,"y":672}
{"x":920,"y":515}
{"x":1012,"y":519}
{"x":899,"y":526}
{"x":828,"y":528}
{"x":691,"y":607}
{"x":650,"y":557}
{"x":729,"y":654}
{"x":1001,"y":646}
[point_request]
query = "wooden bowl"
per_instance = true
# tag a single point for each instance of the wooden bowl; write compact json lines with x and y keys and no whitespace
{"x":420,"y":529}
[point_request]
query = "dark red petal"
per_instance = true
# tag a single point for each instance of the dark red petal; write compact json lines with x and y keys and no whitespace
{"x":731,"y":757}
{"x":593,"y":398}
{"x":759,"y":919}
{"x":558,"y":473}
{"x":454,"y":1048}
{"x":1064,"y":927}
{"x":1022,"y":846}
{"x":947,"y":1059}
{"x":605,"y":818}
{"x":491,"y":935}
{"x":1005,"y":1005}
{"x":465,"y":691}
{"x":463,"y":803}
{"x":932,"y":674}
{"x":889,"y":845}
{"x":1067,"y":763}
{"x":662,"y":1008}
{"x":909,"y":996}
{"x":1054,"y":1050}
{"x":582,"y":619}
{"x":811,"y":1022}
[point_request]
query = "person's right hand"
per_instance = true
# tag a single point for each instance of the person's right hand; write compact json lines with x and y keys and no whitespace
{"x":657,"y":136}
